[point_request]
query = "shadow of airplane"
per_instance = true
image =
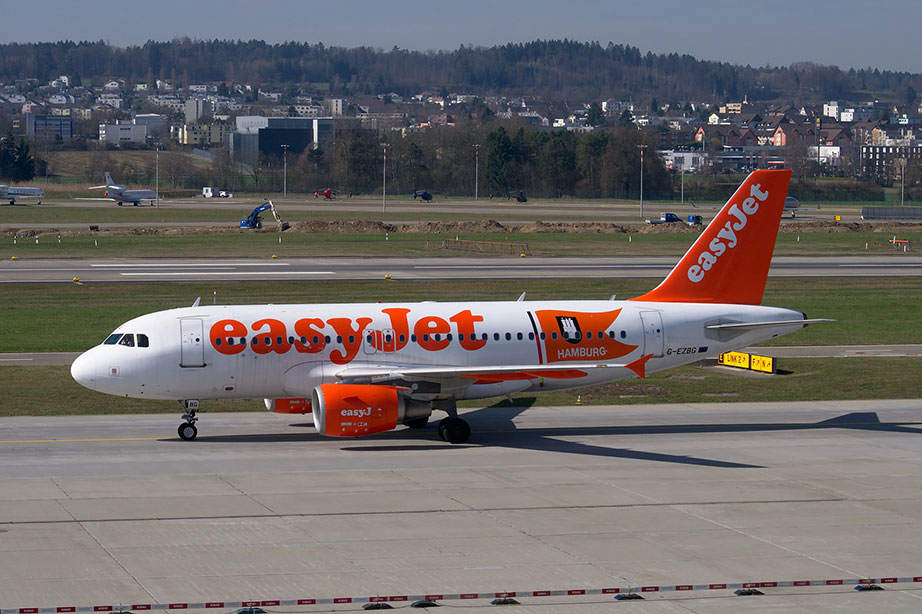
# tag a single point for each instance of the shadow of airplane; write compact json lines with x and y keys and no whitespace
{"x":498,"y":429}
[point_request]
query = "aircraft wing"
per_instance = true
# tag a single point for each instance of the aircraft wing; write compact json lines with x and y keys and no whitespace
{"x":91,"y":198}
{"x":459,"y":376}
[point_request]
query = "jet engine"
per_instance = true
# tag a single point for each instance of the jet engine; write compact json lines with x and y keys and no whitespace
{"x":353,"y":410}
{"x":288,"y":406}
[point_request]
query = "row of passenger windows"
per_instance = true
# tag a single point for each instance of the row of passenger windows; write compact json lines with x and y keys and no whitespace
{"x":315,"y":340}
{"x":128,"y":340}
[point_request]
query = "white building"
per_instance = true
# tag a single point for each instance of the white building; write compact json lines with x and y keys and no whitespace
{"x":122,"y":133}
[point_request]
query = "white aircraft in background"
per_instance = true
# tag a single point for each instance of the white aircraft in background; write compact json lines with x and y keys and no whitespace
{"x":120,"y":194}
{"x":13,"y":194}
{"x":365,"y":368}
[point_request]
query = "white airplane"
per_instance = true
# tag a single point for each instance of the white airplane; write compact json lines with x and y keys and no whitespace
{"x":120,"y":194}
{"x":13,"y":194}
{"x":365,"y":368}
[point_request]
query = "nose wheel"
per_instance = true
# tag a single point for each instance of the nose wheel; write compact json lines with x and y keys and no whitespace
{"x":187,"y":430}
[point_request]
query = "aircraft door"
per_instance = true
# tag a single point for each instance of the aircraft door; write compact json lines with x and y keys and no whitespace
{"x":192,"y":343}
{"x":652,"y":332}
{"x":380,"y":342}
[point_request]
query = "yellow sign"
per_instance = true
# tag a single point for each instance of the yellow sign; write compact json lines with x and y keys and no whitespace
{"x":753,"y":362}
{"x":765,"y":364}
{"x":838,"y":218}
{"x":734,"y":359}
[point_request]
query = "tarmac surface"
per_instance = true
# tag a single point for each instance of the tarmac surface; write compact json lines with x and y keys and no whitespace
{"x":116,"y":509}
{"x":198,"y":269}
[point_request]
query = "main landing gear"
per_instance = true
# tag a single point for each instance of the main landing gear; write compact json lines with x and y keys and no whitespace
{"x":187,"y":430}
{"x":452,"y":429}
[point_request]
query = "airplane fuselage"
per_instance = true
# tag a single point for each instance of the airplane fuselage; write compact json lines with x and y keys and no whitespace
{"x":285,"y":351}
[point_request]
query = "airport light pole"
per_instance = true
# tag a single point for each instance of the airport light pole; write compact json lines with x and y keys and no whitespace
{"x":384,"y":187}
{"x":641,"y":148}
{"x":284,"y":171}
{"x":157,"y":184}
{"x":476,"y":171}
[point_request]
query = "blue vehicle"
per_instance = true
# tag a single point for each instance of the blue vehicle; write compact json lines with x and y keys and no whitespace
{"x":254,"y":220}
{"x":423,"y":194}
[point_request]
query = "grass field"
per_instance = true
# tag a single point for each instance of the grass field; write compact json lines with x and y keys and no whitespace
{"x":40,"y":317}
{"x":49,"y":390}
{"x":263,"y":244}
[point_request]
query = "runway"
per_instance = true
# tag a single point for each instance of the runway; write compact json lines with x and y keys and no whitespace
{"x":190,"y":269}
{"x":116,"y":509}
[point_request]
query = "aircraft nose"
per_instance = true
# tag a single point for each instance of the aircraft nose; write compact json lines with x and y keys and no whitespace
{"x":83,"y":370}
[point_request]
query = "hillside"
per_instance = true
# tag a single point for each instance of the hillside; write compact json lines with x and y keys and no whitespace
{"x":554,"y":69}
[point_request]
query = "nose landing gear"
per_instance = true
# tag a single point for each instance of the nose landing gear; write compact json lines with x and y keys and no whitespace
{"x":187,"y":430}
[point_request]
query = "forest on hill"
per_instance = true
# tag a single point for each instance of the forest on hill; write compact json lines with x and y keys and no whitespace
{"x":554,"y":69}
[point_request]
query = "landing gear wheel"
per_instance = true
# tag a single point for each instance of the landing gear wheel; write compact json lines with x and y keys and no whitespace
{"x":417,"y":423}
{"x":454,"y":430}
{"x":187,"y":431}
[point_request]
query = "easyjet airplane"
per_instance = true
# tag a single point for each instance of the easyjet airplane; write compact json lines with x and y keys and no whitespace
{"x":365,"y":368}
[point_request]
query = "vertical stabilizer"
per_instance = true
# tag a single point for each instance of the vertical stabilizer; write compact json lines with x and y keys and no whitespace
{"x":729,"y":261}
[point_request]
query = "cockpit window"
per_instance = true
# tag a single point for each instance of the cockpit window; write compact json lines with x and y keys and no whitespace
{"x":143,"y":341}
{"x":112,"y":339}
{"x":127,"y":340}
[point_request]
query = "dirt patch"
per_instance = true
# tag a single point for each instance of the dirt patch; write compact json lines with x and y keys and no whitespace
{"x":623,"y":388}
{"x":839,"y":227}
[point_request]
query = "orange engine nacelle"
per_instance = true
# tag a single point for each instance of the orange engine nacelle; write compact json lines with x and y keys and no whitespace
{"x":352,"y":410}
{"x":288,"y":406}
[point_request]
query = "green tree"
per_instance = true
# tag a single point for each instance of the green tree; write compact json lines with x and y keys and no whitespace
{"x":595,"y":117}
{"x":499,"y":154}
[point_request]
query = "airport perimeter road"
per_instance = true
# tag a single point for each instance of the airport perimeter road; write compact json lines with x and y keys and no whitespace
{"x":116,"y":509}
{"x":191,"y":269}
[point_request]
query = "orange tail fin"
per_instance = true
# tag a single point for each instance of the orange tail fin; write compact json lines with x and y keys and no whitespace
{"x":729,"y":261}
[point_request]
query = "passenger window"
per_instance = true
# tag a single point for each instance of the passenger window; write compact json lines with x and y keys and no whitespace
{"x":531,"y":336}
{"x":351,"y":338}
{"x":611,"y":334}
{"x":403,"y":338}
{"x":425,"y":336}
{"x":483,"y":336}
{"x":448,"y":336}
{"x":339,"y":338}
{"x":112,"y":339}
{"x":543,"y":335}
{"x":268,"y":340}
{"x":495,"y":336}
{"x":387,"y":338}
{"x":369,"y":338}
{"x":588,"y":334}
{"x":518,"y":336}
{"x":460,"y":336}
{"x":438,"y":337}
{"x":127,"y":340}
{"x":623,"y":335}
{"x":508,"y":336}
{"x":413,"y":337}
{"x":254,"y":341}
{"x":554,"y":335}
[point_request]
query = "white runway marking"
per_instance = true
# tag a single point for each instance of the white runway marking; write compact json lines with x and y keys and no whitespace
{"x":189,"y":273}
{"x":192,"y":265}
